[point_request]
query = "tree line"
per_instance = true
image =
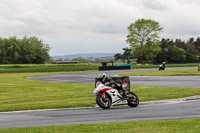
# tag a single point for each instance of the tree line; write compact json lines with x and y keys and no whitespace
{"x":145,"y":45}
{"x":28,"y":50}
{"x":179,"y":51}
{"x":172,"y":51}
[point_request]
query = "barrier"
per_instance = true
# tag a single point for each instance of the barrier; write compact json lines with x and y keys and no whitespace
{"x":133,"y":64}
{"x":102,"y":68}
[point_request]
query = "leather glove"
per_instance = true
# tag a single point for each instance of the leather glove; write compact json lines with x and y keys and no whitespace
{"x":113,"y":85}
{"x":118,"y":84}
{"x":107,"y":83}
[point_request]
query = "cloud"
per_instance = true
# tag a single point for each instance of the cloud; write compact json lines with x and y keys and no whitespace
{"x":84,"y":26}
{"x":155,"y":5}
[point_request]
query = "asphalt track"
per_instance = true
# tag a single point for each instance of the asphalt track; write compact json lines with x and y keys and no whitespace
{"x":89,"y":78}
{"x":166,"y":111}
{"x":180,"y":110}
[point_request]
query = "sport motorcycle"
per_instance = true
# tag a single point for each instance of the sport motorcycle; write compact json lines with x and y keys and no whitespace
{"x":161,"y":67}
{"x":107,"y":96}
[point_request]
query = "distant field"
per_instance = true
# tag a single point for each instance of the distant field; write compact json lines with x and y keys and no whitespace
{"x":22,"y":68}
{"x":26,"y":68}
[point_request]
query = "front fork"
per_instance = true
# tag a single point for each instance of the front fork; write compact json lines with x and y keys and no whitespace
{"x":102,"y":94}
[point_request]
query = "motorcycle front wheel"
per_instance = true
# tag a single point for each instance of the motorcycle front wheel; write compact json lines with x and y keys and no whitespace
{"x":103,"y":102}
{"x":133,"y":101}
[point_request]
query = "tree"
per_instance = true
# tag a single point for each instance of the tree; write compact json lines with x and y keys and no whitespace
{"x":28,"y":50}
{"x":166,"y":44}
{"x":179,"y":43}
{"x":151,"y":50}
{"x":190,"y":49}
{"x":197,"y":46}
{"x":143,"y":38}
{"x":177,"y":55}
{"x":120,"y":57}
{"x":191,"y":52}
{"x":9,"y":50}
{"x":127,"y":55}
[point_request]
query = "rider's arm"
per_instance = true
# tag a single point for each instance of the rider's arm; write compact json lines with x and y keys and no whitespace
{"x":112,"y":83}
{"x":109,"y":82}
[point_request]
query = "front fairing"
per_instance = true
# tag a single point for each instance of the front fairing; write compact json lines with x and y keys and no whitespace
{"x":115,"y":96}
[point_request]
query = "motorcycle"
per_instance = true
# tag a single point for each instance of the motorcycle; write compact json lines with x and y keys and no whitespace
{"x":107,"y":96}
{"x":161,"y":67}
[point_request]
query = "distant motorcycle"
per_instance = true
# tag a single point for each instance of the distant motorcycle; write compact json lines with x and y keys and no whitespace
{"x":161,"y":67}
{"x":107,"y":96}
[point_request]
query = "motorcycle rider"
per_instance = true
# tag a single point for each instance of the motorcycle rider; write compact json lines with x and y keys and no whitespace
{"x":162,"y":66}
{"x":110,"y":82}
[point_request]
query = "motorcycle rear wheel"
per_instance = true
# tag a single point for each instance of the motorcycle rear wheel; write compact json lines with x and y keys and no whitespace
{"x":104,"y":103}
{"x":133,"y":101}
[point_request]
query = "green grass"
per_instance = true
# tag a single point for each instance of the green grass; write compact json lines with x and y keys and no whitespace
{"x":182,"y":65}
{"x":44,"y":65}
{"x":165,"y":73}
{"x":24,"y":68}
{"x":165,"y":126}
{"x":167,"y":65}
{"x":19,"y":93}
{"x":149,"y":93}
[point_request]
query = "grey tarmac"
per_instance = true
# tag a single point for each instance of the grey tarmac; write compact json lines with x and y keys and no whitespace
{"x":177,"y":110}
{"x":89,"y":78}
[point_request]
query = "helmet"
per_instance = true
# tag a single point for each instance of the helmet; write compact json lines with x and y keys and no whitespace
{"x":102,"y":76}
{"x":163,"y":62}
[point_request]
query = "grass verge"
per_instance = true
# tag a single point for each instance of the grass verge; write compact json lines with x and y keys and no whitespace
{"x":27,"y":68}
{"x":19,"y":93}
{"x":165,"y":126}
{"x":192,"y":72}
{"x":167,"y":65}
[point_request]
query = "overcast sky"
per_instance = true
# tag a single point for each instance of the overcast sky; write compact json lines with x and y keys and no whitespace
{"x":90,"y":26}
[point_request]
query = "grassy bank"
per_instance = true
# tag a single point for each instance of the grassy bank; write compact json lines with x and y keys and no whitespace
{"x":24,"y":68}
{"x":165,"y":126}
{"x":19,"y":93}
{"x":166,"y":73}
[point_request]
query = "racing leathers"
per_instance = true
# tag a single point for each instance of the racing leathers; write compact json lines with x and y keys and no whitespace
{"x":110,"y":82}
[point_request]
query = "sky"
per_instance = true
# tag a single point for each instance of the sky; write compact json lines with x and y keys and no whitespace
{"x":95,"y":26}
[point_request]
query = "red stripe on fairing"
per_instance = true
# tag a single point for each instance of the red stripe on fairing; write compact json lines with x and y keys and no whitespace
{"x":124,"y":84}
{"x":102,"y":95}
{"x":107,"y":89}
